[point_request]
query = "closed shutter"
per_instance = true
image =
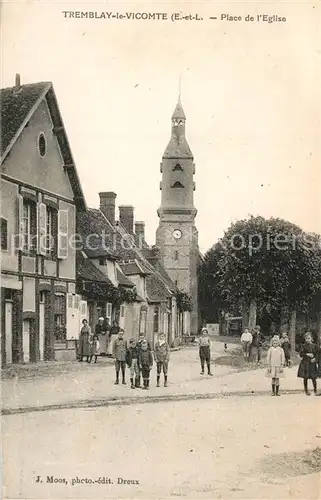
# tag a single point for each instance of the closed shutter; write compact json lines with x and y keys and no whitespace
{"x":72,"y":317}
{"x":20,"y":243}
{"x":41,"y":229}
{"x":82,"y":312}
{"x":62,"y":234}
{"x":109,"y":310}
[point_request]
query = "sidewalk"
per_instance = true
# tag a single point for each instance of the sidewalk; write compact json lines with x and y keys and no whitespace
{"x":84,"y":384}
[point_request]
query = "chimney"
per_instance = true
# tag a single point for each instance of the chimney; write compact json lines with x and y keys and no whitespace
{"x":107,"y":205}
{"x":140,"y":230}
{"x":126,"y":217}
{"x":18,"y":84}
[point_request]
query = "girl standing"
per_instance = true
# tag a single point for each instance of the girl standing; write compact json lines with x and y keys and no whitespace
{"x":308,"y":367}
{"x":275,"y":362}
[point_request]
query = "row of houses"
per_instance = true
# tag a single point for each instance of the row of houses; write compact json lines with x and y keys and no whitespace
{"x":62,"y":261}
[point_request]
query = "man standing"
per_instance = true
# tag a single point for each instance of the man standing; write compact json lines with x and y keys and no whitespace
{"x":119,"y":352}
{"x":256,"y":345}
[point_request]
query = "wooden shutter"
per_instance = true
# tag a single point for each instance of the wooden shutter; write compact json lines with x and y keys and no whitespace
{"x":109,"y":310}
{"x":20,"y":243}
{"x":42,"y":229}
{"x":62,"y":234}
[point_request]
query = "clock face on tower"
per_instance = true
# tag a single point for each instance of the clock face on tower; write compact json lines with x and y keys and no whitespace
{"x":177,"y":234}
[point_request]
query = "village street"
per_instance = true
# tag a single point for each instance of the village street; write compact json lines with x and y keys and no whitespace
{"x":210,"y":437}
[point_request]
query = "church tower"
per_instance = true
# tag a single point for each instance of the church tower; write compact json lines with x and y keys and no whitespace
{"x":176,"y":235}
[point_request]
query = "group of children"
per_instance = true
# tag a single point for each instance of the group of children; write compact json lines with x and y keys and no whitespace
{"x":139,"y":359}
{"x":278,"y":357}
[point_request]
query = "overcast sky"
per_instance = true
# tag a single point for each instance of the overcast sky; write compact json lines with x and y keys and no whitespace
{"x":250,"y":91}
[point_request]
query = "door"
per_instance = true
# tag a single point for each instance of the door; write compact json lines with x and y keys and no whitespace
{"x":26,"y":341}
{"x":42,"y":326}
{"x":8,"y":326}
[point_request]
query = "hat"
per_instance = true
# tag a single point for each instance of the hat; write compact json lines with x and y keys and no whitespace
{"x":132,"y":340}
{"x":204,"y":330}
{"x":101,"y":318}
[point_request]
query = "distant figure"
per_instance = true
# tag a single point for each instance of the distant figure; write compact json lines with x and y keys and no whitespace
{"x":308,"y":366}
{"x":113,"y":332}
{"x":85,"y":341}
{"x":275,"y":360}
{"x":101,"y":334}
{"x":286,"y":346}
{"x":205,"y":351}
{"x":246,"y":341}
{"x":225,"y":347}
{"x":256,"y":345}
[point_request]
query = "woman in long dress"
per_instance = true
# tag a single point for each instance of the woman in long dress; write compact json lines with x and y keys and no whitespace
{"x":113,"y":336}
{"x":85,"y":341}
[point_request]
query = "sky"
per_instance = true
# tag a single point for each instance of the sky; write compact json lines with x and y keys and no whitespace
{"x":250,"y":91}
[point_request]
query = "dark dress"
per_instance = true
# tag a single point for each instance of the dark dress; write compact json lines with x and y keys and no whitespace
{"x":308,"y":368}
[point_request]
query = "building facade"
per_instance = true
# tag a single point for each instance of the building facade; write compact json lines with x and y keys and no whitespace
{"x":40,"y":193}
{"x":177,"y":236}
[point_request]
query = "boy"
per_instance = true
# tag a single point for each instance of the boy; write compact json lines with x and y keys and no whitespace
{"x":119,"y":353}
{"x":205,"y":351}
{"x":161,"y":354}
{"x":286,"y":346}
{"x":141,"y":339}
{"x":145,"y":361}
{"x":132,"y":362}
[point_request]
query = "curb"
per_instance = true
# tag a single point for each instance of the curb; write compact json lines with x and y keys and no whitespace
{"x":126,"y":401}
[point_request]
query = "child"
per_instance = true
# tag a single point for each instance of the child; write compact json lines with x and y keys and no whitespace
{"x":275,"y":362}
{"x":145,"y":361}
{"x":132,"y":362}
{"x":205,"y":351}
{"x":246,"y":341}
{"x":286,"y":346}
{"x":141,"y":339}
{"x":96,"y":345}
{"x":308,"y":366}
{"x":119,"y":353}
{"x":161,"y":354}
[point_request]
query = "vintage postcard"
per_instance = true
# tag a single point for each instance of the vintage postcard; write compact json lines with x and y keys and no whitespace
{"x":160,"y":249}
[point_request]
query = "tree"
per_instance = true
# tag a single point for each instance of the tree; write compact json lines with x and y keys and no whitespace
{"x":262,"y":262}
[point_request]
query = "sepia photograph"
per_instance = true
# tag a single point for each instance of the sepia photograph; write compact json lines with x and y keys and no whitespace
{"x":160,"y":250}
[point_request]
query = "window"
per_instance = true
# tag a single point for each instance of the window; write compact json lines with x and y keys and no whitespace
{"x":42,"y":145}
{"x":156,"y":319}
{"x":102,"y":262}
{"x":122,"y":311}
{"x":49,"y":229}
{"x":29,"y":226}
{"x":142,"y":322}
{"x":176,"y":255}
{"x":177,"y":184}
{"x":59,"y":316}
{"x":4,"y":234}
{"x":178,"y":167}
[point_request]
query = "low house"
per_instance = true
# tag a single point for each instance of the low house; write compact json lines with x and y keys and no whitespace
{"x":40,"y":194}
{"x":154,"y":308}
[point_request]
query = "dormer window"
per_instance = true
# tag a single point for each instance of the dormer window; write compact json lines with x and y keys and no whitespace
{"x":177,"y":184}
{"x":102,"y":261}
{"x":178,"y":167}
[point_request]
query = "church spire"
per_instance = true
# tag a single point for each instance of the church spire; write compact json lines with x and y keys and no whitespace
{"x":179,"y":112}
{"x":178,"y":146}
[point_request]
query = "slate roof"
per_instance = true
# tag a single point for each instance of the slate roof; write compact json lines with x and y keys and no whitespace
{"x":17,"y":105}
{"x":178,"y":111}
{"x":87,"y":271}
{"x":156,"y":290}
{"x":123,"y":280}
{"x":130,"y":268}
{"x":131,"y":258}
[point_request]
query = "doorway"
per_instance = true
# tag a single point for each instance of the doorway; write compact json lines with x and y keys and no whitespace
{"x":8,"y":331}
{"x":26,"y":340}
